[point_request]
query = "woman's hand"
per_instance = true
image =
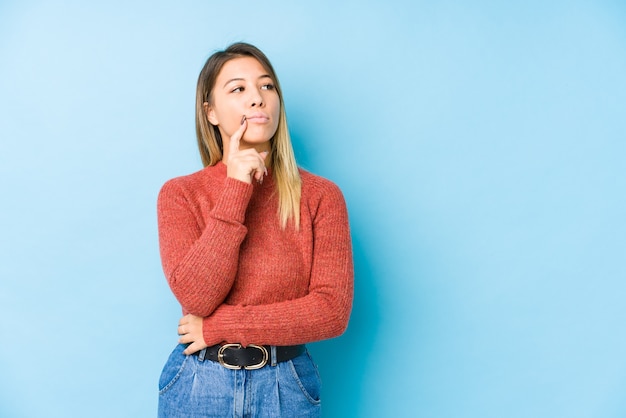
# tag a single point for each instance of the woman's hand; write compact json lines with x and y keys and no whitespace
{"x":190,"y":331}
{"x":246,"y":164}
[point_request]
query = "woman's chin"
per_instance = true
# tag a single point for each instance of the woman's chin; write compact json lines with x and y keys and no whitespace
{"x":254,"y":141}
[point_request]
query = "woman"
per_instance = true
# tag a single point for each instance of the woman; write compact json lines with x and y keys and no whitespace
{"x":256,"y":251}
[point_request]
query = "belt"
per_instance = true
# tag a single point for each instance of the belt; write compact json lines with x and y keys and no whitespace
{"x":235,"y":356}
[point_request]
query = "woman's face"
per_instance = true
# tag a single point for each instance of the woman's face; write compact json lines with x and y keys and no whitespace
{"x":244,"y":88}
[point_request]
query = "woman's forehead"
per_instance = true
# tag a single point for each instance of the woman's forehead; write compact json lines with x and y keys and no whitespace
{"x":241,"y":68}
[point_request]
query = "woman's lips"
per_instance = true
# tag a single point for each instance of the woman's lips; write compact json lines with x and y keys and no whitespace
{"x":257,"y":118}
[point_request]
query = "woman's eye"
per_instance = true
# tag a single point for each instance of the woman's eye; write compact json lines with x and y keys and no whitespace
{"x":237,"y":90}
{"x":268,"y":87}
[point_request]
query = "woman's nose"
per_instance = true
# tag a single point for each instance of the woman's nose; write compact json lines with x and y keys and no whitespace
{"x":256,"y":98}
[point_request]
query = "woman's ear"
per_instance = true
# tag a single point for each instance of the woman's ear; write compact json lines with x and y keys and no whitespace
{"x":210,"y":114}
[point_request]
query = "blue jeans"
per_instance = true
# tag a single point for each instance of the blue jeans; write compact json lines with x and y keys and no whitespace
{"x":192,"y":388}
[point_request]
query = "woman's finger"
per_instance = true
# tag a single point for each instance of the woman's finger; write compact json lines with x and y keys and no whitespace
{"x":261,"y":170}
{"x":236,"y":137}
{"x":184,"y":320}
{"x":247,"y":164}
{"x":193,"y":347}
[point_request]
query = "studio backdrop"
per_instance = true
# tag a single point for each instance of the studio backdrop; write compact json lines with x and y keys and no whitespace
{"x":480,"y":146}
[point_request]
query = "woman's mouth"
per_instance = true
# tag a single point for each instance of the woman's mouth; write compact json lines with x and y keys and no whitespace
{"x":258,"y":118}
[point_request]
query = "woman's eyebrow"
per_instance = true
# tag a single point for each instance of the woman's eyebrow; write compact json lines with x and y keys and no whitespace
{"x":231,"y":80}
{"x":241,"y":79}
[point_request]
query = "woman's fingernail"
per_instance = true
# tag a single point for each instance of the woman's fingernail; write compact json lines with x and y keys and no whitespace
{"x":266,"y":171}
{"x":243,"y":119}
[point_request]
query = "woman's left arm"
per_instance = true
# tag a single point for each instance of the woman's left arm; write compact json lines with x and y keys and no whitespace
{"x":323,"y":313}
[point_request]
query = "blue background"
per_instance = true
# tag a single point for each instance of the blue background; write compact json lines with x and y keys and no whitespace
{"x":480,"y":146}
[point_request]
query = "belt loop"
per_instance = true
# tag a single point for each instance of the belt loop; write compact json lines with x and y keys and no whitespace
{"x":202,"y":355}
{"x":273,"y":356}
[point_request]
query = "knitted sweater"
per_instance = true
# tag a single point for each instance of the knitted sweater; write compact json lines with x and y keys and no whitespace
{"x":227,"y":259}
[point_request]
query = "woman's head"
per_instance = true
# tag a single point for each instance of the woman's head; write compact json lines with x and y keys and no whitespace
{"x":244,"y":89}
{"x":216,"y":117}
{"x":238,"y":81}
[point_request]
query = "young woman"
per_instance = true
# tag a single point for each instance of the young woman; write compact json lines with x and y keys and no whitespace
{"x":257,"y":252}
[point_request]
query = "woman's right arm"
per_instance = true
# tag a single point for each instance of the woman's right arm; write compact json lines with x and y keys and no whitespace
{"x":200,"y":261}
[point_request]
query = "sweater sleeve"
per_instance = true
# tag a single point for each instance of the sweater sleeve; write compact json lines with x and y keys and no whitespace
{"x":323,"y":313}
{"x":200,"y":261}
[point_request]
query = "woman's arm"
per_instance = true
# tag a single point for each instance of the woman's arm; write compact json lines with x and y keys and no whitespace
{"x":200,"y":261}
{"x":322,"y":314}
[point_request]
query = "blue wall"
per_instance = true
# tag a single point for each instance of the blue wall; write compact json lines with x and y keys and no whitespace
{"x":480,"y":146}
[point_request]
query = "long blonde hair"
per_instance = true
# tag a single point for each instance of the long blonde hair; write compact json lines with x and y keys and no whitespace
{"x":210,"y":145}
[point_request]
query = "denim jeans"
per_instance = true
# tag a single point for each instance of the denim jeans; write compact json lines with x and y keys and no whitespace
{"x":190,"y":387}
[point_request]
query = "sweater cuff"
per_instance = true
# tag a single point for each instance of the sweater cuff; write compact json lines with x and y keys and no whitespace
{"x":213,"y":329}
{"x":232,"y":204}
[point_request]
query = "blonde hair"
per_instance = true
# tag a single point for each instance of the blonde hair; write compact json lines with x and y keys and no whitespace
{"x":210,"y":145}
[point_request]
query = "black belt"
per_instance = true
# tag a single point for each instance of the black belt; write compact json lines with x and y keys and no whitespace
{"x":235,"y":356}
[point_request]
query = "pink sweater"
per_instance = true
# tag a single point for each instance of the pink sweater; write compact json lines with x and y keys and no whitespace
{"x":227,"y":259}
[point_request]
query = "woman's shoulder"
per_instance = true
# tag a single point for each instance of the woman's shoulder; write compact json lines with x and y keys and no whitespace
{"x":315,"y":180}
{"x":317,"y":187}
{"x":196,"y":180}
